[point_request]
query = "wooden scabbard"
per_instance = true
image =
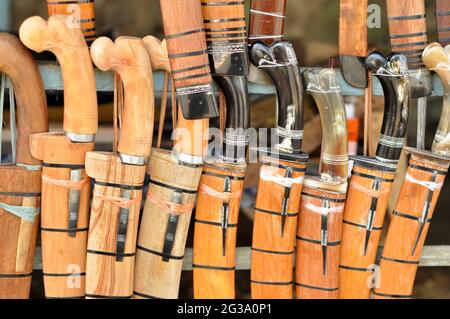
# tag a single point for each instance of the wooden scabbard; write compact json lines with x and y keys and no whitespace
{"x":267,"y":21}
{"x":80,"y":12}
{"x":214,"y":258}
{"x":158,"y":275}
{"x":353,"y":28}
{"x":317,"y":272}
{"x":407,"y":233}
{"x":63,"y":256}
{"x":443,"y":21}
{"x":408,"y":29}
{"x":364,"y":213}
{"x":108,"y":275}
{"x":272,"y":244}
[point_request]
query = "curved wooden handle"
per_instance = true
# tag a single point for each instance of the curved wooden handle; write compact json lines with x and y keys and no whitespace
{"x":68,"y":45}
{"x":267,"y":21}
{"x":408,"y":29}
{"x":353,"y":28}
{"x":443,"y":21}
{"x":80,"y":12}
{"x":17,"y":63}
{"x":128,"y":57}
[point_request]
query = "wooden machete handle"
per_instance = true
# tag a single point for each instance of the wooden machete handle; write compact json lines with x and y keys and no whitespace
{"x":128,"y":57}
{"x":17,"y":63}
{"x":69,"y":47}
{"x":267,"y":21}
{"x":81,"y":13}
{"x":353,"y":28}
{"x":408,"y":29}
{"x":443,"y":21}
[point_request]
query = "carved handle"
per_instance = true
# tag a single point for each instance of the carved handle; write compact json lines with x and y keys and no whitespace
{"x":81,"y":13}
{"x":17,"y":63}
{"x":408,"y":29}
{"x":267,"y":21}
{"x":128,"y":57}
{"x":80,"y":96}
{"x":443,"y":21}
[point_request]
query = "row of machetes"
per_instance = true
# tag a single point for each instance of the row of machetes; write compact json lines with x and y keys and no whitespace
{"x":335,"y":226}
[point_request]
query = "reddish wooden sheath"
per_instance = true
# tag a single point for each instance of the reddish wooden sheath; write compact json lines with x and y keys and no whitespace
{"x":81,"y":13}
{"x":21,"y":181}
{"x":443,"y":21}
{"x":65,"y":189}
{"x":267,"y":21}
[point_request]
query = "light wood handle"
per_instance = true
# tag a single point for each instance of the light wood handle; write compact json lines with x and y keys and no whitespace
{"x":408,"y":29}
{"x":443,"y":21}
{"x":353,"y":28}
{"x":17,"y":63}
{"x":67,"y":43}
{"x":81,"y":13}
{"x":157,"y":52}
{"x":128,"y":57}
{"x":267,"y":21}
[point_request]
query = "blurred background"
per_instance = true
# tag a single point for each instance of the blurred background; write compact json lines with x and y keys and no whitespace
{"x":312,"y":27}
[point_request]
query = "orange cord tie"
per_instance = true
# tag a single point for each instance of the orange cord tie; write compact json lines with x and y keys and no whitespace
{"x":224,"y":196}
{"x":119,"y":201}
{"x":77,"y":185}
{"x":173,"y":208}
{"x":371,"y":192}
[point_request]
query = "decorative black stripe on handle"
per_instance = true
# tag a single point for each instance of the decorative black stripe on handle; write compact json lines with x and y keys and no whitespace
{"x":86,"y":20}
{"x":272,"y":283}
{"x":18,"y":194}
{"x":88,"y":30}
{"x":229,"y":3}
{"x":412,"y":44}
{"x":206,"y":222}
{"x":427,"y":169}
{"x":265,"y":211}
{"x":443,"y":40}
{"x":183,"y":34}
{"x":410,"y":262}
{"x":414,"y":17}
{"x":108,"y":297}
{"x":177,"y":189}
{"x":385,"y":180}
{"x":64,"y":230}
{"x":278,"y":165}
{"x":122,"y":186}
{"x":15,"y":275}
{"x":157,"y":253}
{"x":64,"y":275}
{"x":443,"y":29}
{"x":315,"y":287}
{"x":333,"y":200}
{"x":70,"y":2}
{"x":226,"y":29}
{"x":223,"y":20}
{"x":361,"y":226}
{"x":403,"y":215}
{"x":73,"y":297}
{"x":213,"y":267}
{"x":140,"y":294}
{"x":194,"y":76}
{"x":234,"y":178}
{"x":392,"y":295}
{"x":191,"y":68}
{"x":71,"y":166}
{"x":408,"y":35}
{"x":442,"y":13}
{"x":355,"y":268}
{"x":318,"y":242}
{"x":410,"y":52}
{"x":110,"y":254}
{"x":274,"y":252}
{"x":187,"y":54}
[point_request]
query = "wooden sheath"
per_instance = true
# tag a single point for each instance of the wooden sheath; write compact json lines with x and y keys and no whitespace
{"x":114,"y":226}
{"x":214,"y":259}
{"x":408,"y":29}
{"x":353,"y":28}
{"x":367,"y":199}
{"x":273,"y":244}
{"x":81,"y":13}
{"x":157,"y":275}
{"x":443,"y":21}
{"x":64,"y":234}
{"x":407,"y":233}
{"x":317,"y":272}
{"x":267,"y":21}
{"x":20,"y":186}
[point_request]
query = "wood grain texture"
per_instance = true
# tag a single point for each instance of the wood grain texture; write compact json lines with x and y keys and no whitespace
{"x":154,"y":277}
{"x":313,"y":278}
{"x":267,"y":21}
{"x":408,"y":29}
{"x":356,"y":254}
{"x":272,"y":249}
{"x":185,"y":36}
{"x":353,"y":28}
{"x":401,"y":253}
{"x":80,"y":12}
{"x":443,"y":21}
{"x":214,"y":267}
{"x":69,"y":47}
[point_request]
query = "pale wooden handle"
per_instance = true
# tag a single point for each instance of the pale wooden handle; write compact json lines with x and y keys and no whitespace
{"x":157,"y":51}
{"x":128,"y":57}
{"x":17,"y":63}
{"x":24,"y":238}
{"x":58,"y":36}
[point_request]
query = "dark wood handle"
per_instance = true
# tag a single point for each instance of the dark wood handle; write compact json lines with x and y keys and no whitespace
{"x":81,"y":13}
{"x":17,"y":63}
{"x":267,"y":21}
{"x":186,"y":43}
{"x":353,"y":28}
{"x":408,"y":29}
{"x":443,"y":21}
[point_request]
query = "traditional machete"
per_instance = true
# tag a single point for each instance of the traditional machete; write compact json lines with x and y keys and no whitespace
{"x":20,"y":190}
{"x":284,"y":164}
{"x":119,"y":177}
{"x":323,"y":196}
{"x":222,"y":181}
{"x":65,"y":187}
{"x":175,"y":176}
